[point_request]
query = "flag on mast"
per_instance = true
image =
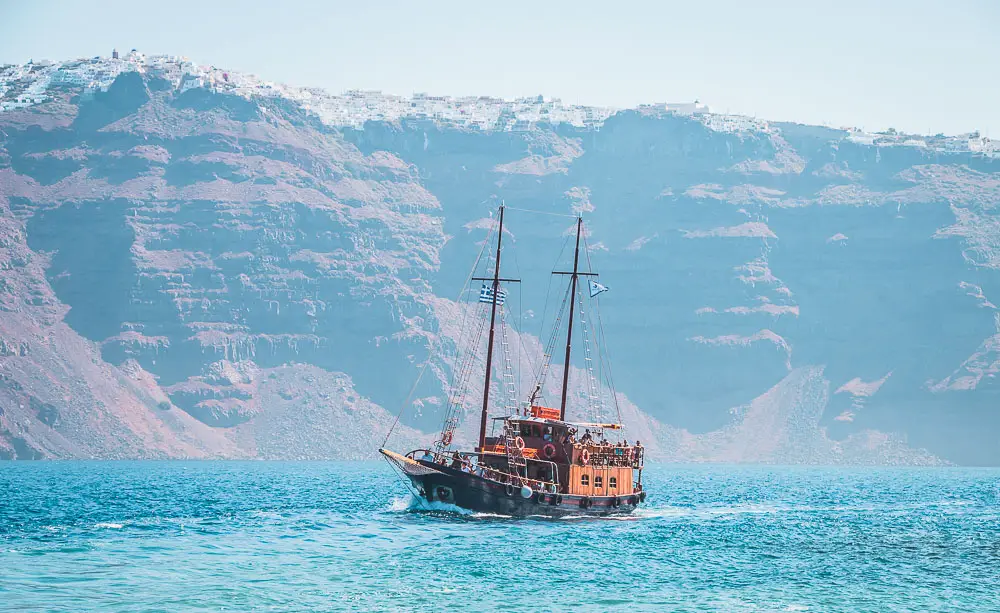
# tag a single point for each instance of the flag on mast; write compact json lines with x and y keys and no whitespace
{"x":486,"y":295}
{"x":596,"y":288}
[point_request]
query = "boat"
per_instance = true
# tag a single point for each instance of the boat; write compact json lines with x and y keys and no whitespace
{"x":536,"y":460}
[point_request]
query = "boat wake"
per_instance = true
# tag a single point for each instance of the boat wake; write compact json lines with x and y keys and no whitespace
{"x":413,"y":504}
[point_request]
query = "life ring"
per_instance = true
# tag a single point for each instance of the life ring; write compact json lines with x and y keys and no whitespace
{"x":446,"y":438}
{"x":519,"y":442}
{"x":509,"y":489}
{"x":585,"y":457}
{"x":549,"y":451}
{"x":585,"y":502}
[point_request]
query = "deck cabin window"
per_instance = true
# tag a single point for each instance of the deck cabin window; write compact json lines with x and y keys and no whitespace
{"x":598,"y":481}
{"x":612,"y":483}
{"x":584,"y":480}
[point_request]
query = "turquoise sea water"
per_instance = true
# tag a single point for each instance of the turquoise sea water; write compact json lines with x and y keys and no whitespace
{"x":235,"y":536}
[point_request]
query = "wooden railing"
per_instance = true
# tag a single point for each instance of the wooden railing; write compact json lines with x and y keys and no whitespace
{"x":609,"y":455}
{"x":491,"y":474}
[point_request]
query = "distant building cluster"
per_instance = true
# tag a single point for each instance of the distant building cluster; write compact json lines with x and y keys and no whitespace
{"x":974,"y":142}
{"x":32,"y":83}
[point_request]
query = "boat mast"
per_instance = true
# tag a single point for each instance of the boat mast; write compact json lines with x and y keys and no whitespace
{"x":489,"y":346}
{"x":569,"y":332}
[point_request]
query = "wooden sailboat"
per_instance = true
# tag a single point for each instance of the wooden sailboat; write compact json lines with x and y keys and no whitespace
{"x":537,"y":462}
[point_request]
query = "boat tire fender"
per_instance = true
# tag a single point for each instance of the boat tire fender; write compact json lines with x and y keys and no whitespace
{"x":540,"y":497}
{"x":642,"y":496}
{"x":509,"y":489}
{"x":615,"y":502}
{"x":585,"y":502}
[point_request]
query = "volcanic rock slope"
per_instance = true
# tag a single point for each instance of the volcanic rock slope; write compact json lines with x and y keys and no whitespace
{"x":195,"y":263}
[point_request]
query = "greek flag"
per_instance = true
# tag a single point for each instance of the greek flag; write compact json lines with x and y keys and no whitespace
{"x":486,"y":295}
{"x":596,"y":288}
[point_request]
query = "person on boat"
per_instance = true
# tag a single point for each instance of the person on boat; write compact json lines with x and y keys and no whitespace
{"x":428,"y":456}
{"x":456,"y":460}
{"x":547,"y":435}
{"x":586,"y":438}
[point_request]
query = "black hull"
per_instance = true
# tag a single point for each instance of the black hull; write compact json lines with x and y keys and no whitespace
{"x":443,"y":484}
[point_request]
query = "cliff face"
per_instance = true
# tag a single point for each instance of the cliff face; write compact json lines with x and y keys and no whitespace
{"x":190,"y":269}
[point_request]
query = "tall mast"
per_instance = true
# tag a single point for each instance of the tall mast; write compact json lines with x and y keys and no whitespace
{"x":569,"y":332}
{"x":489,"y":346}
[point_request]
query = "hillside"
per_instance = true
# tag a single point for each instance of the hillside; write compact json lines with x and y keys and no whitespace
{"x":197,"y":263}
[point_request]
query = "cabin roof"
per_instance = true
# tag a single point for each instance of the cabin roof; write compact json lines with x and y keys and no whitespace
{"x":555,"y":422}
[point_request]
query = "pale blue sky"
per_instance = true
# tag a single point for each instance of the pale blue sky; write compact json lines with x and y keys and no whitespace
{"x":916,"y":65}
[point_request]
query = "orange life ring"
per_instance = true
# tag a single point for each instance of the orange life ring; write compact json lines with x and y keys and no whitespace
{"x":585,"y":457}
{"x":520,"y":443}
{"x":549,"y":451}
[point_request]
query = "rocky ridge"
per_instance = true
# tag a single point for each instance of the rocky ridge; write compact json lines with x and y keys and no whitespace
{"x":197,"y":263}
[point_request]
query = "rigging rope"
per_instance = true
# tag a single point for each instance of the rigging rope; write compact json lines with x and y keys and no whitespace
{"x":430,"y":356}
{"x":550,"y":349}
{"x":511,"y":208}
{"x":603,"y":353}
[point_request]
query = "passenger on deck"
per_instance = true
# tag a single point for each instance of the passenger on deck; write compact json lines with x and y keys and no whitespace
{"x":456,"y":460}
{"x":547,"y":435}
{"x":586,"y":438}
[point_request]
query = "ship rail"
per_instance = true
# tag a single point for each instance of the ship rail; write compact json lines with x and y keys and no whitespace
{"x":611,"y":455}
{"x":492,"y":474}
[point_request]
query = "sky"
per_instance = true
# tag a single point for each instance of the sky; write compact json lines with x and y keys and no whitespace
{"x":923,"y":66}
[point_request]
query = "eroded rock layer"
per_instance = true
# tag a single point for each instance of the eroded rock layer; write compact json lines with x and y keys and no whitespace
{"x":189,"y":269}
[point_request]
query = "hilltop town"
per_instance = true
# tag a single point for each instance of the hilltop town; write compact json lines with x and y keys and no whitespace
{"x":26,"y":85}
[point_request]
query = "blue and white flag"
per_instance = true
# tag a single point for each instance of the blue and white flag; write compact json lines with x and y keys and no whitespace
{"x":486,"y":295}
{"x":596,"y":288}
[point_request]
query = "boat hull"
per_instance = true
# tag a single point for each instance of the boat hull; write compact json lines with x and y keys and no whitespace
{"x":437,"y":483}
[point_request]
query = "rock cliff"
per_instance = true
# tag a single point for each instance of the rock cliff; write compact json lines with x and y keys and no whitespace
{"x":197,"y":264}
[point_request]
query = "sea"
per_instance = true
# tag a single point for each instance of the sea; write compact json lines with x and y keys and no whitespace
{"x":331,"y":536}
